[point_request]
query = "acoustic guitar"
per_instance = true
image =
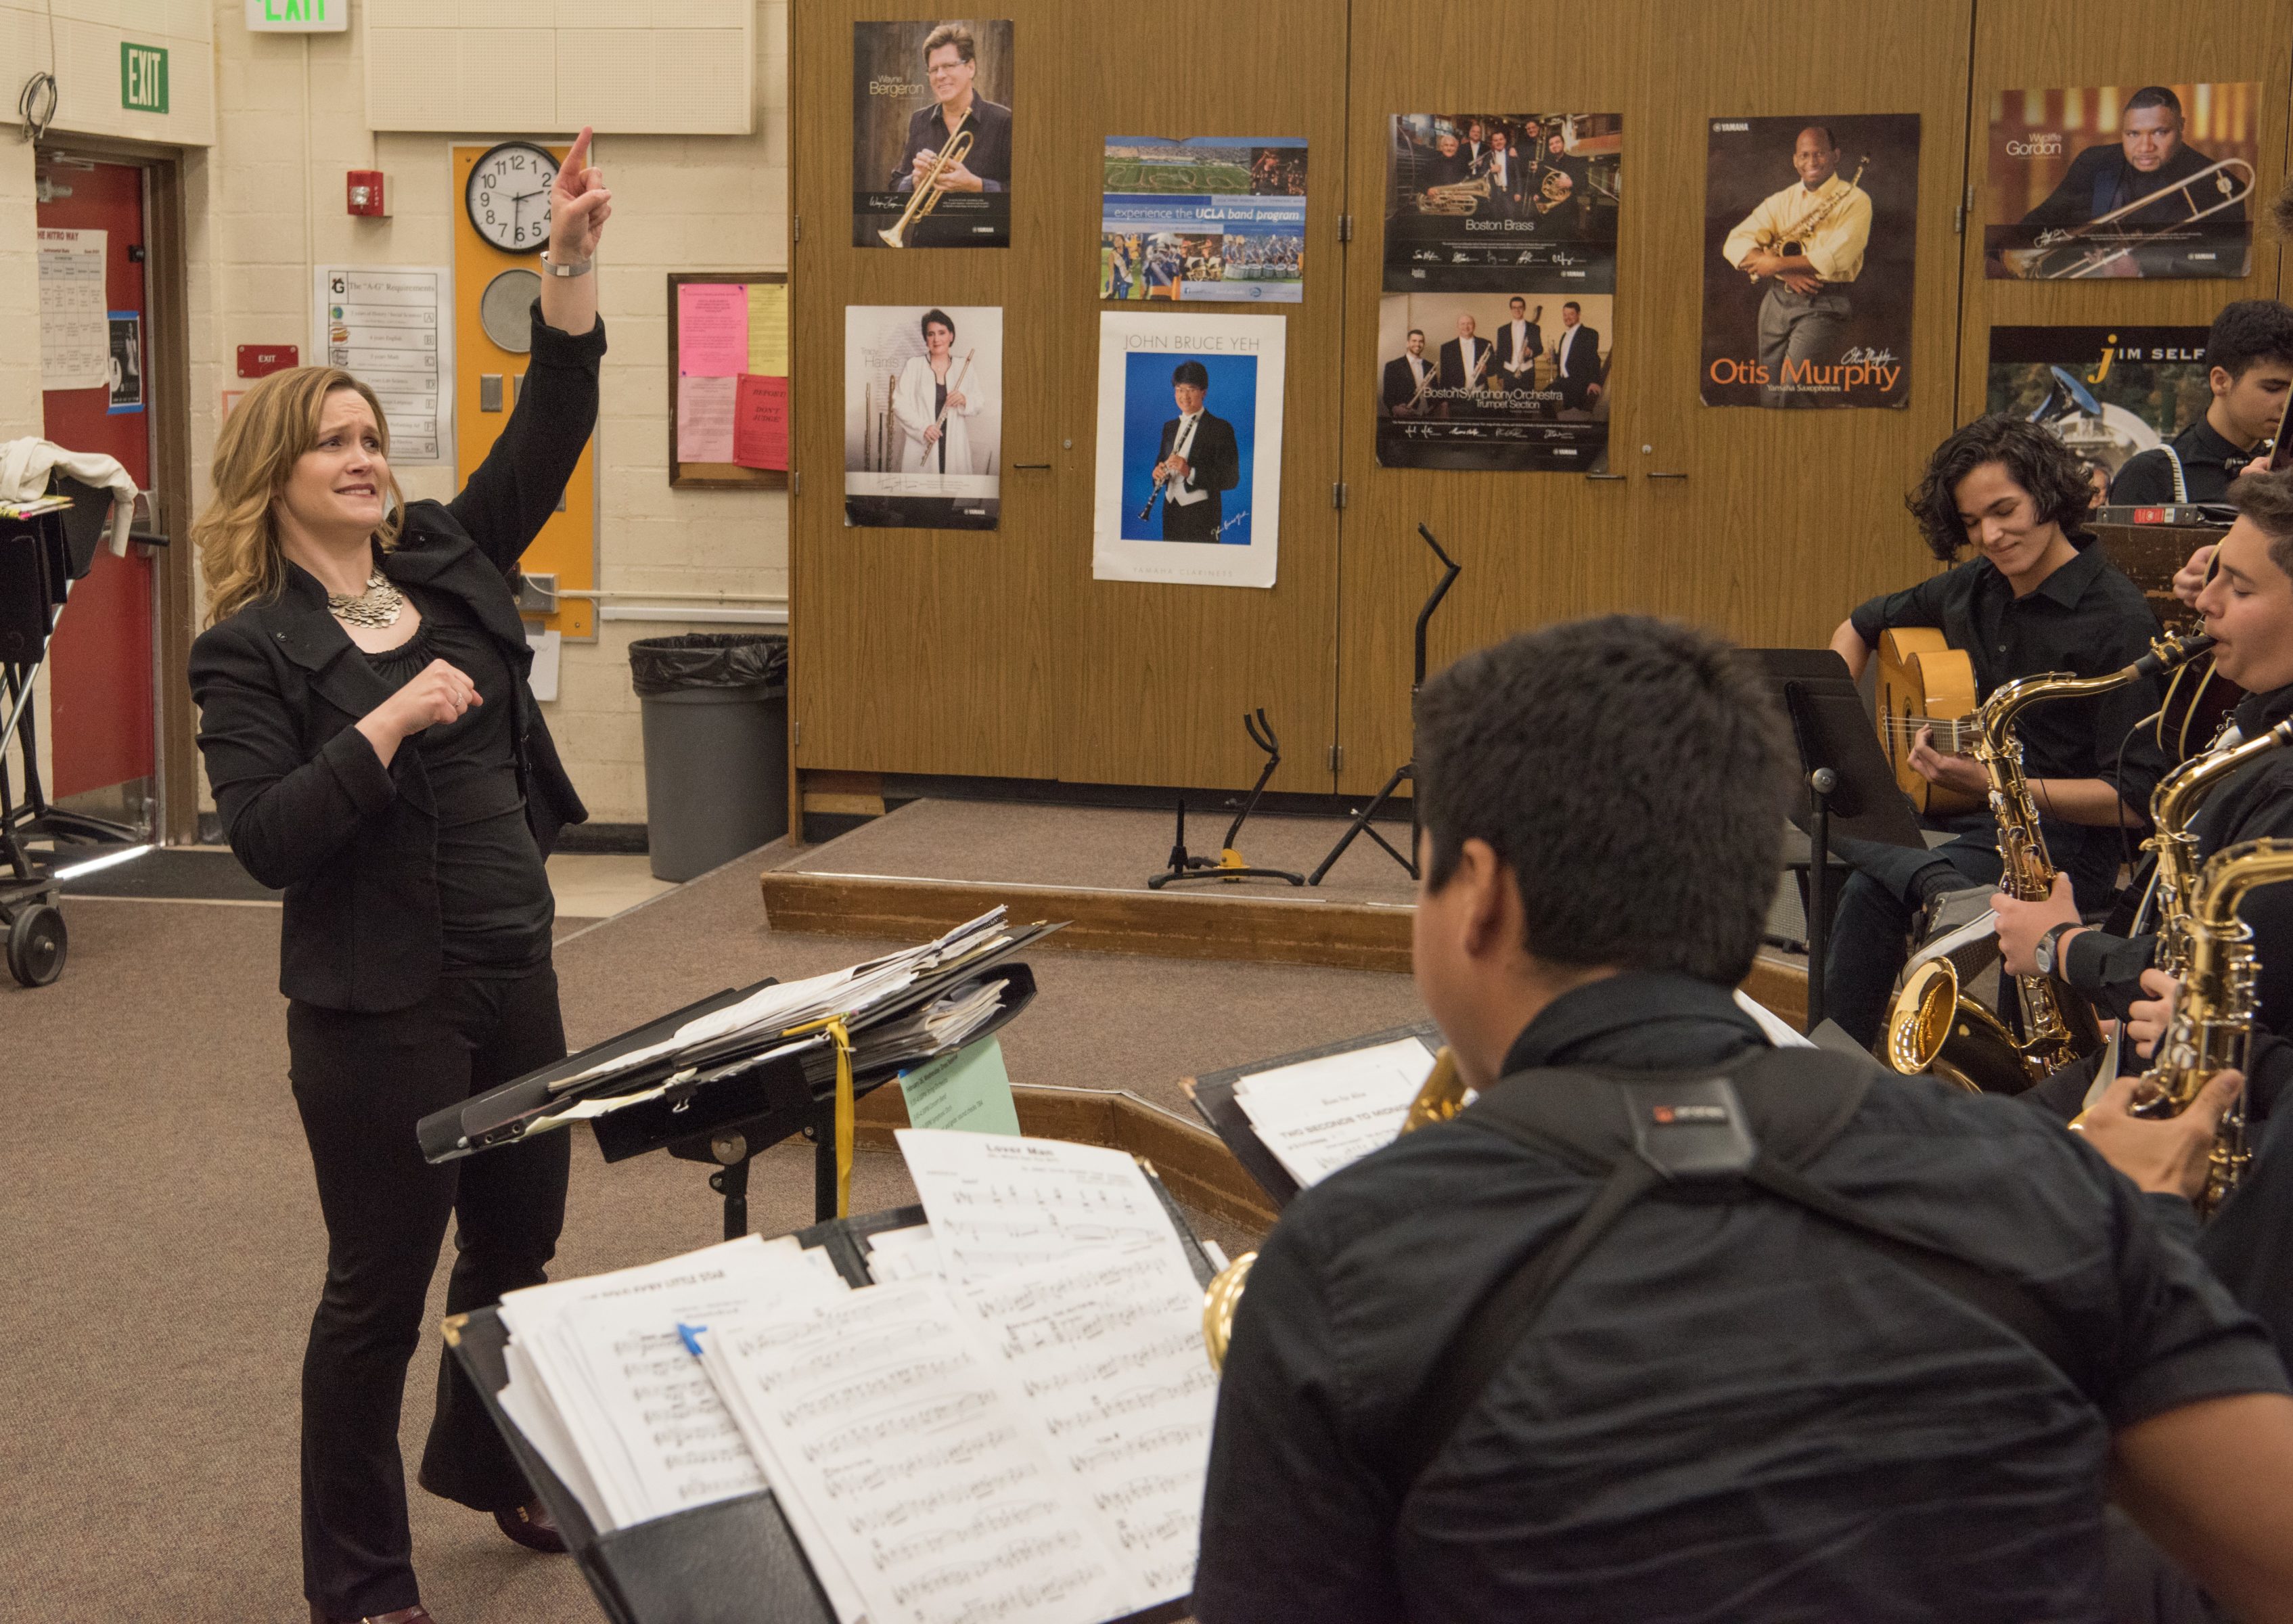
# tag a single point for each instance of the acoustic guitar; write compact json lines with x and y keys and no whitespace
{"x":1923,"y":682}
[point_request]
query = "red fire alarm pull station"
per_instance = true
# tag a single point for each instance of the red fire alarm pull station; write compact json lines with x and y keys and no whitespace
{"x":262,"y":360}
{"x":365,"y":193}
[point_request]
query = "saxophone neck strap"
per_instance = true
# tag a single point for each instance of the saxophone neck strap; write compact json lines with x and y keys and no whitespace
{"x":1753,"y":1125}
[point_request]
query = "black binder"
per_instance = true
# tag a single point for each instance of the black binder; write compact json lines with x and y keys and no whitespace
{"x":1213,"y":1097}
{"x":736,"y":1562}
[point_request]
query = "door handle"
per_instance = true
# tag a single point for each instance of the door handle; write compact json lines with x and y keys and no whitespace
{"x":1654,"y":474}
{"x":1604,"y":477}
{"x":1017,"y":465}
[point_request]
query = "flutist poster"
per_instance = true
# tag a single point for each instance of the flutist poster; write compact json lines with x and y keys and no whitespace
{"x":1217,"y":217}
{"x":923,"y":415}
{"x":2107,"y":393}
{"x":2121,"y":179}
{"x":1495,"y":330}
{"x":1808,"y":238}
{"x":931,"y":134}
{"x":1190,"y":487}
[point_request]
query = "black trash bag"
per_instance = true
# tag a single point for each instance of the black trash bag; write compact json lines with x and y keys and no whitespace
{"x":708,"y":660}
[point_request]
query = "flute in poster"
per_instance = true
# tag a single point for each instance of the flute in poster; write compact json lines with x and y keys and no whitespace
{"x":1215,"y":217}
{"x":1188,"y":486}
{"x":1807,"y":260}
{"x":923,"y":424}
{"x":931,"y":133}
{"x":1496,"y":330}
{"x":2117,"y":181}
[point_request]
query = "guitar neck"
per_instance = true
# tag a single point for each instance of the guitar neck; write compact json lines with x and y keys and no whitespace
{"x":1954,"y":735}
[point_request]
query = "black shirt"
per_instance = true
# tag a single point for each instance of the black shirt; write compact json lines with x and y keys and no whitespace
{"x":2209,"y":464}
{"x":2087,"y":619}
{"x":493,"y":890}
{"x":1732,"y":1410}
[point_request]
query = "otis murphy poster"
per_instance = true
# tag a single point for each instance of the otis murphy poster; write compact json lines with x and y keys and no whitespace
{"x":1807,"y":260}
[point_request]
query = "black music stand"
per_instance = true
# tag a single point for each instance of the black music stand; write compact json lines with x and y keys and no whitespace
{"x":1228,"y":863}
{"x":1850,"y":787}
{"x":1406,"y":773}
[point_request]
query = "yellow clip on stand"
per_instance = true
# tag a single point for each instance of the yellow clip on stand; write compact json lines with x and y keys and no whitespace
{"x":834,"y":1026}
{"x":1229,"y":865}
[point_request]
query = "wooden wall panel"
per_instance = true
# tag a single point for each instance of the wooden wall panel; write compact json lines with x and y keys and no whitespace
{"x":1155,"y":679}
{"x":922,"y":651}
{"x":2032,"y":44}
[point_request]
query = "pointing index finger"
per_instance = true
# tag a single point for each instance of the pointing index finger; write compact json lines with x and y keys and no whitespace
{"x":577,"y":158}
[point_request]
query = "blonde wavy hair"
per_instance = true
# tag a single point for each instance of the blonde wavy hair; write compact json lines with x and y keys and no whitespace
{"x":265,"y":435}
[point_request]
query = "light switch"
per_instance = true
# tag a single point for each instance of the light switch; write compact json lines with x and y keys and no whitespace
{"x":489,"y":392}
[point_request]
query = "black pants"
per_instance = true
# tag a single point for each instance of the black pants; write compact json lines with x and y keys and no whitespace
{"x":361,"y":1083}
{"x":1870,"y":930}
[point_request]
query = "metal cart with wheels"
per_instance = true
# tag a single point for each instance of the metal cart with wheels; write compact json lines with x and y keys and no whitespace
{"x":40,"y":557}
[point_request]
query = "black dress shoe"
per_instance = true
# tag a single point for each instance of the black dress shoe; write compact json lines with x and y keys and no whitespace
{"x":415,"y":1614}
{"x":532,"y":1527}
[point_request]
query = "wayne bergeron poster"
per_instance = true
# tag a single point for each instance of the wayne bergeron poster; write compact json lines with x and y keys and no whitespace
{"x":1496,"y":325}
{"x":1808,"y":235}
{"x":931,"y":134}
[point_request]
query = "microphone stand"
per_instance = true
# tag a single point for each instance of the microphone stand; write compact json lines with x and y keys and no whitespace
{"x":1406,"y":773}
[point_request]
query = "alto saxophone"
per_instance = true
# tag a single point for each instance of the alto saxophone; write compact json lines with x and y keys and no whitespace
{"x":1440,"y":1097}
{"x":2212,"y":1027}
{"x":2173,"y":805}
{"x":1931,"y":1027}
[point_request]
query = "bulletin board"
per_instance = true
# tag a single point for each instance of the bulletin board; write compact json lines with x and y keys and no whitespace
{"x":728,"y":399}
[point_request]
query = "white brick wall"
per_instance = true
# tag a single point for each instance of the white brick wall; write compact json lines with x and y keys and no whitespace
{"x":265,"y":203}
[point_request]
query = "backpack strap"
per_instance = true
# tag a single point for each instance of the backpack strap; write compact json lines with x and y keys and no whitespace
{"x":1648,"y":1132}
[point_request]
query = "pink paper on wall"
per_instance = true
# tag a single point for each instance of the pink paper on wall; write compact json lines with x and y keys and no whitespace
{"x":760,"y":422}
{"x":704,"y":418}
{"x":712,"y":329}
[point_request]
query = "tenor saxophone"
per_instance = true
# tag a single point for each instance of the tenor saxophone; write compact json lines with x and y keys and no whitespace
{"x":1931,"y":1027}
{"x":2212,"y":1027}
{"x":1440,"y":1097}
{"x":2173,"y":806}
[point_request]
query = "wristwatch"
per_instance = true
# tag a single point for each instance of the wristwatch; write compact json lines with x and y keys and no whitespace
{"x":553,"y":268}
{"x":2044,"y":953}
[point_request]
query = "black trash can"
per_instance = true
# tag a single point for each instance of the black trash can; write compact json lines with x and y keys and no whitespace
{"x":715,"y":746}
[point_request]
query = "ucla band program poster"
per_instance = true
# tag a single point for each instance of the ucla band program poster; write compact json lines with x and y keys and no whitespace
{"x":1217,"y":217}
{"x":1809,"y":231}
{"x":920,"y":90}
{"x":2107,"y":393}
{"x":1496,"y":323}
{"x":1189,"y":475}
{"x":2121,"y":180}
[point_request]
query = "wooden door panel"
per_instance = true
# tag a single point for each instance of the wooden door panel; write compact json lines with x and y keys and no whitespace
{"x":2039,"y":45}
{"x":923,"y":651}
{"x":1155,"y":679}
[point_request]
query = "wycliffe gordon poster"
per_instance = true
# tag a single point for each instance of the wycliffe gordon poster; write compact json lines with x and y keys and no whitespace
{"x":1808,"y":256}
{"x":1496,"y":326}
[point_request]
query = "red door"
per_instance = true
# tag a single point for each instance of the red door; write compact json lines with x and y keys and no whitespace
{"x":100,"y":681}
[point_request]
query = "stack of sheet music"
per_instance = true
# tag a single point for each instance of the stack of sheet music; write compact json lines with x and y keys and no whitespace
{"x":1012,"y":1423}
{"x":1316,"y":1116}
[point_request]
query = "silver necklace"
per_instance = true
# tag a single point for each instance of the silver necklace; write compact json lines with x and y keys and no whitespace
{"x":377,"y":606}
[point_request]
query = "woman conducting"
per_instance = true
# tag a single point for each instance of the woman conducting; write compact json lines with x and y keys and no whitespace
{"x":937,"y":392}
{"x":376,"y":752}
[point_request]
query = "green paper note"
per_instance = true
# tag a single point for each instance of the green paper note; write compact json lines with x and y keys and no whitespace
{"x":968,"y":1090}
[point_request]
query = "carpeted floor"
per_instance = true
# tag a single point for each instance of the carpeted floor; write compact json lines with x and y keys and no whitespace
{"x":163,"y":1248}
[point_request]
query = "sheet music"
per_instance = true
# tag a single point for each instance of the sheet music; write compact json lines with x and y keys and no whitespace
{"x":1317,"y":1115}
{"x":1107,"y":1349}
{"x":525,"y":1402}
{"x":997,"y":1204}
{"x":906,"y":1446}
{"x":903,"y":1254}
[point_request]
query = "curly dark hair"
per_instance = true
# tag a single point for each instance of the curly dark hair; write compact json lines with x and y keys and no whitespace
{"x":2248,"y":332}
{"x":2266,"y":499}
{"x":2042,"y":465}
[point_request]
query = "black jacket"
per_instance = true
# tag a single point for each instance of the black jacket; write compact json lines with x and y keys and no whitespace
{"x":305,"y":803}
{"x":1213,"y":465}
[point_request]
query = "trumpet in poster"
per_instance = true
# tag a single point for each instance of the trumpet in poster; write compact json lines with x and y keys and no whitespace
{"x":929,"y":190}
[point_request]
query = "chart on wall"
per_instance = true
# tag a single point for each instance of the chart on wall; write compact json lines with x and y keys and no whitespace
{"x":931,"y":134}
{"x":2107,"y":393}
{"x":2121,"y":179}
{"x":1218,"y":217}
{"x":392,"y":326}
{"x":1809,"y":225}
{"x":1496,"y":327}
{"x":923,"y":416}
{"x":1189,"y":478}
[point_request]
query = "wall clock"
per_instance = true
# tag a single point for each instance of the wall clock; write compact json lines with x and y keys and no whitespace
{"x":508,"y":196}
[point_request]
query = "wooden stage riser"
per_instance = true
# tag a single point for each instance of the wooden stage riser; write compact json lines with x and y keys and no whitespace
{"x":1336,"y":936}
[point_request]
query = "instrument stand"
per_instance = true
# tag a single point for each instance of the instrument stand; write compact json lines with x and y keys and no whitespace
{"x":1821,"y":783}
{"x":1228,"y":863}
{"x":1406,"y":773}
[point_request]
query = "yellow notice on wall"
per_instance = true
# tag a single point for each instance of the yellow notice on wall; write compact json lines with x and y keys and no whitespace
{"x":769,"y":329}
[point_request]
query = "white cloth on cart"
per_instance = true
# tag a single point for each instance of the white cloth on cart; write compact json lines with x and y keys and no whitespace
{"x":25,"y":464}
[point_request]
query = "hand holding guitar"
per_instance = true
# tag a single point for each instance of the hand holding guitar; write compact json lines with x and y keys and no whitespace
{"x":1964,"y":773}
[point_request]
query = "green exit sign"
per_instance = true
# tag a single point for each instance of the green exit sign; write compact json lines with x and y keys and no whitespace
{"x":142,"y":78}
